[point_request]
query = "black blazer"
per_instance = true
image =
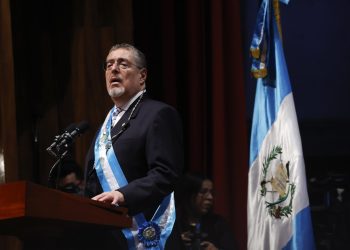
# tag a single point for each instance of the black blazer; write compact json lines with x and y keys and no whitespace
{"x":150,"y":152}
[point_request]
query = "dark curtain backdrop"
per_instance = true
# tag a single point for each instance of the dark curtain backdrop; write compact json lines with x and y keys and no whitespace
{"x":58,"y":49}
{"x":195,"y":64}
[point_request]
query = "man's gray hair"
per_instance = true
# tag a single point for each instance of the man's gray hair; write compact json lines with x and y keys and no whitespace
{"x":139,"y":55}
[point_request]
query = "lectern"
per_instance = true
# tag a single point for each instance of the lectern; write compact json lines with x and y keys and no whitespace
{"x":44,"y":218}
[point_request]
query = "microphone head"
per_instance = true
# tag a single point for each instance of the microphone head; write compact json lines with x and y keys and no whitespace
{"x":63,"y":142}
{"x":82,"y":126}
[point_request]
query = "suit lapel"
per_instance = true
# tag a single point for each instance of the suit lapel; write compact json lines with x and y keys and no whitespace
{"x":125,"y":118}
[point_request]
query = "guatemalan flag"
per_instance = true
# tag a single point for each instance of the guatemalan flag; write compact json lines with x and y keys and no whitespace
{"x":278,"y":203}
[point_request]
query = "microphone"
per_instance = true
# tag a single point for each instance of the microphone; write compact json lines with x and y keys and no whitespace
{"x":63,"y":141}
{"x":58,"y":138}
{"x":69,"y":137}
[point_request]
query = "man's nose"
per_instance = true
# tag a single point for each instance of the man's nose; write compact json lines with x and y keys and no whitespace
{"x":208,"y":196}
{"x":115,"y":67}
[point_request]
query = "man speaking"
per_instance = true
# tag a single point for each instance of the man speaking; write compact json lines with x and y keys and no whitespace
{"x":137,"y":154}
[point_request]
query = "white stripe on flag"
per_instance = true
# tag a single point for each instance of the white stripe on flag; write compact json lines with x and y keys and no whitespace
{"x":266,"y":232}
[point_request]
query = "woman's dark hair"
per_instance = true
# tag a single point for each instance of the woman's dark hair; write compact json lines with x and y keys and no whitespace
{"x":70,"y":166}
{"x":188,"y":187}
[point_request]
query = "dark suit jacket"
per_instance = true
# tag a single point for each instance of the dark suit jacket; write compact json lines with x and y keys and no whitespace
{"x":150,"y":153}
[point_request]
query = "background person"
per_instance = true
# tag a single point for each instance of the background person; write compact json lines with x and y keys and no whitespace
{"x":200,"y":227}
{"x":70,"y":177}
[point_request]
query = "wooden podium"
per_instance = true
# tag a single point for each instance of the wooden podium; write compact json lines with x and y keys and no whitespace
{"x":44,"y":218}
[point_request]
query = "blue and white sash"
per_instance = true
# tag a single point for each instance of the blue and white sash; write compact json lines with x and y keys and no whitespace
{"x":150,"y":235}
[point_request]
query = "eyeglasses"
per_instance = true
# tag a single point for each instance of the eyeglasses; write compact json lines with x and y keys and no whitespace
{"x":206,"y":192}
{"x":121,"y":64}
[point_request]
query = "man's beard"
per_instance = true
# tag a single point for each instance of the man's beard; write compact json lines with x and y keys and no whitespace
{"x":116,"y":92}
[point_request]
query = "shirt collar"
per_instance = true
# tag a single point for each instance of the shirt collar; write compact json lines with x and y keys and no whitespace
{"x":127,"y":105}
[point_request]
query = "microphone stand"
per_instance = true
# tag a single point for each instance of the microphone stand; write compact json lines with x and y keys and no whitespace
{"x":56,"y":151}
{"x":53,"y":183}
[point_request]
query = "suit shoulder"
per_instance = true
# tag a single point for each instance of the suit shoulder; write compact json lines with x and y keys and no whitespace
{"x":157,"y":105}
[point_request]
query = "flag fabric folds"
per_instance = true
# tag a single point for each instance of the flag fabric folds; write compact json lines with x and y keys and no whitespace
{"x":278,"y":204}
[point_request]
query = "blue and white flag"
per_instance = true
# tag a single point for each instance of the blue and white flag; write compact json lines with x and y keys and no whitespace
{"x":278,"y":204}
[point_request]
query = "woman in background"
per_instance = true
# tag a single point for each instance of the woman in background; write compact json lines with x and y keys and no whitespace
{"x":200,"y":227}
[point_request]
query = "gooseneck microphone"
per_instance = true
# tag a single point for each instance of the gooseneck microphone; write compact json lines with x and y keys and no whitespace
{"x":64,"y":141}
{"x":59,"y":148}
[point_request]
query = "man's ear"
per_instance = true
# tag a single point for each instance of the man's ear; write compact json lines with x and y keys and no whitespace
{"x":143,"y":76}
